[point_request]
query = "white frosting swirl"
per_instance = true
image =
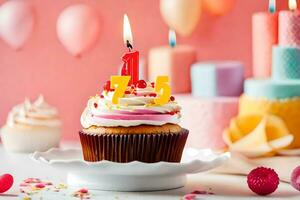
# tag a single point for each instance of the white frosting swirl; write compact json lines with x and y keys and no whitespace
{"x":134,"y":109}
{"x":38,"y":113}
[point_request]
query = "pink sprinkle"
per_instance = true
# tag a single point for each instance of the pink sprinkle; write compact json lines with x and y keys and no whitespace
{"x":40,"y":185}
{"x":189,"y":196}
{"x":23,"y":184}
{"x":48,"y":183}
{"x":32,"y":180}
{"x":199,"y":192}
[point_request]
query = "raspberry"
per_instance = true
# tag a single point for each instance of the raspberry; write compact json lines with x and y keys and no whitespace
{"x":295,"y":178}
{"x":106,"y":86}
{"x":127,"y":92}
{"x":141,"y":84}
{"x":152,"y":95}
{"x":153,"y":84}
{"x":263,"y":181}
{"x":95,"y":105}
{"x":172,"y":98}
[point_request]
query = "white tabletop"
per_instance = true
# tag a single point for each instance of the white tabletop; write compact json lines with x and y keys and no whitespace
{"x":223,"y":186}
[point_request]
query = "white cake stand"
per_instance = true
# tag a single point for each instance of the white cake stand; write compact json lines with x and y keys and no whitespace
{"x":133,"y":176}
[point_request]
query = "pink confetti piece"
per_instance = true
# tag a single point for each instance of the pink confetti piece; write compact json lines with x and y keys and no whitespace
{"x":48,"y":183}
{"x":189,"y":197}
{"x":83,"y":190}
{"x":201,"y":192}
{"x":40,"y":185}
{"x":24,"y":184}
{"x":32,"y":180}
{"x":193,"y":195}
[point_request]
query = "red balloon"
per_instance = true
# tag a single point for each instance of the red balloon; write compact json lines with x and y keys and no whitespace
{"x":6,"y":181}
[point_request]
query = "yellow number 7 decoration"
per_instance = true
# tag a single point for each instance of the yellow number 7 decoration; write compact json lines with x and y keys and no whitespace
{"x":162,"y":88}
{"x":119,"y":83}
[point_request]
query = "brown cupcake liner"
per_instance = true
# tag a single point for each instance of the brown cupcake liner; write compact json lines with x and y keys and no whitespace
{"x":124,"y":148}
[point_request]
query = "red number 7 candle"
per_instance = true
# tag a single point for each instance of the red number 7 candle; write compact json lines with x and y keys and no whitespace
{"x":130,"y":59}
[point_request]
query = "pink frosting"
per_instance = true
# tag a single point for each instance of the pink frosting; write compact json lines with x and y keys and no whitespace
{"x":151,"y":117}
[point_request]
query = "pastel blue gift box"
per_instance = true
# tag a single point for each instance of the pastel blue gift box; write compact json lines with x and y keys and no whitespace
{"x":213,"y":79}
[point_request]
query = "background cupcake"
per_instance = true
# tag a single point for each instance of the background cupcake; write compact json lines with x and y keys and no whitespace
{"x":133,"y":129}
{"x":31,"y":127}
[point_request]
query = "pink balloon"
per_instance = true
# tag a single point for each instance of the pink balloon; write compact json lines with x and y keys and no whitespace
{"x":16,"y":22}
{"x":78,"y":28}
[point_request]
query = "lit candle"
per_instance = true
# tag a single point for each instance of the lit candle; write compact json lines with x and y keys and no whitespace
{"x":172,"y":38}
{"x":293,"y":5}
{"x":174,"y":61}
{"x":272,"y":6}
{"x":289,"y":29}
{"x":131,"y":58}
{"x":264,"y":36}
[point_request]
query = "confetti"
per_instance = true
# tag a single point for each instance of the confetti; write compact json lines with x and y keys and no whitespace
{"x":32,"y":180}
{"x":40,"y":185}
{"x":82,"y":194}
{"x":31,"y":187}
{"x":196,"y":194}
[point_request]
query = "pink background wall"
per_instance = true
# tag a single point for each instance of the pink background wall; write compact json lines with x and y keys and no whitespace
{"x":44,"y":66}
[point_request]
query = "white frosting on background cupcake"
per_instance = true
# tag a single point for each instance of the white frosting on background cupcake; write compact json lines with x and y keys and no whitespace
{"x":31,"y":126}
{"x":38,"y":113}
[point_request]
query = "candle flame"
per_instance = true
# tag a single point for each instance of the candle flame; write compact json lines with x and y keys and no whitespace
{"x":172,"y":38}
{"x":293,"y":4}
{"x":272,"y":6}
{"x":127,"y":34}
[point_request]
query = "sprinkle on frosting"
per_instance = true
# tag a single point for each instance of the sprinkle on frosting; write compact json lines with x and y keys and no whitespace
{"x":135,"y":108}
{"x":38,"y":113}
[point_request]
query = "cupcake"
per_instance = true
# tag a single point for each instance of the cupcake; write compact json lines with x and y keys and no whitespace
{"x":135,"y":129}
{"x":31,"y":127}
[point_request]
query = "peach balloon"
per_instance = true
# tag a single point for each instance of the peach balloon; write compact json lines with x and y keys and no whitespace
{"x":78,"y":28}
{"x":16,"y":22}
{"x":181,"y":15}
{"x":218,"y":7}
